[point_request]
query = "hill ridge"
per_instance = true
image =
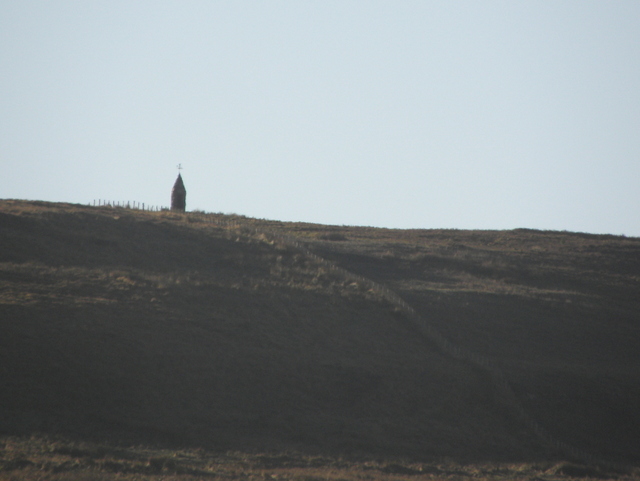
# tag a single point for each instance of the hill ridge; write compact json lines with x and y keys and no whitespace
{"x":257,"y":232}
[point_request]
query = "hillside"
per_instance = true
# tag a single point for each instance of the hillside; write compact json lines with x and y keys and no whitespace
{"x":130,"y":327}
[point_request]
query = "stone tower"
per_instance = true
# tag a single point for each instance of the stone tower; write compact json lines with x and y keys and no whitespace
{"x":179,"y":195}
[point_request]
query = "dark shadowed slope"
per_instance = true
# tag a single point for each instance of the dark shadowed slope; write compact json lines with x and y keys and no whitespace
{"x":160,"y":327}
{"x":557,"y":312}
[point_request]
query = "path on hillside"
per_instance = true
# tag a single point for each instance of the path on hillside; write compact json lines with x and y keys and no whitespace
{"x":383,"y":293}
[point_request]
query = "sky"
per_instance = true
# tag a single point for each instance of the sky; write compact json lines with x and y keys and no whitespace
{"x":469,"y":114}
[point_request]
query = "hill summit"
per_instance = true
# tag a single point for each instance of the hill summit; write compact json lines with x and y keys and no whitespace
{"x":235,"y":333}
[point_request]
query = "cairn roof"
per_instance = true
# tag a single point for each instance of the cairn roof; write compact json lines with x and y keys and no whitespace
{"x":179,"y":185}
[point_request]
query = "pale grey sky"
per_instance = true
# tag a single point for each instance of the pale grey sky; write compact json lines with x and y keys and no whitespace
{"x":426,"y":114}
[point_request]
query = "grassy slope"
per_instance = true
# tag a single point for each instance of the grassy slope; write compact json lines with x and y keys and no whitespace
{"x":148,"y":327}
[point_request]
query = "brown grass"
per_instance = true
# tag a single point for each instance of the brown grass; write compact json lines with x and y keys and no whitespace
{"x":39,"y":458}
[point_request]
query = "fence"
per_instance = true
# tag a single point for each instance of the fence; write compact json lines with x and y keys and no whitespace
{"x":126,"y":205}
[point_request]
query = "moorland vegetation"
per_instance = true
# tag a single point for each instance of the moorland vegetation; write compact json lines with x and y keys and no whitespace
{"x":189,"y":332}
